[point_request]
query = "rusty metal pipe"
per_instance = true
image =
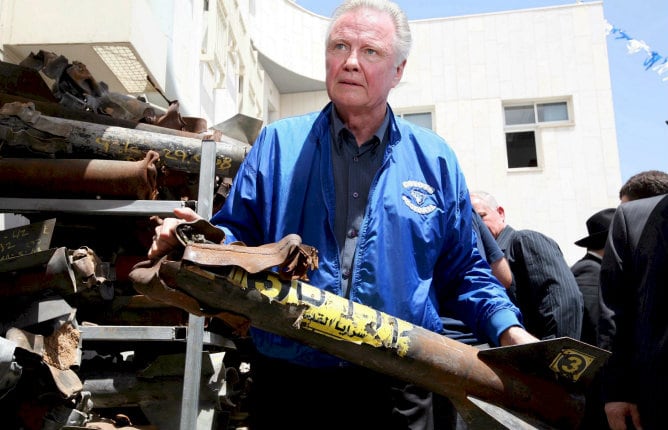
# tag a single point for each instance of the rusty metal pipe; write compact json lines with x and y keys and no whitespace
{"x":57,"y":110}
{"x":63,"y":270}
{"x":24,"y":128}
{"x":544,"y":389}
{"x":75,"y":178}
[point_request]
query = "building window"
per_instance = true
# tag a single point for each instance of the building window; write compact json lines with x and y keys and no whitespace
{"x":523,"y":122}
{"x":521,"y":149}
{"x":422,"y":119}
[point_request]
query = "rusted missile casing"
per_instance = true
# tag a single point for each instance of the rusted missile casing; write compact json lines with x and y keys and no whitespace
{"x":386,"y":344}
{"x":80,"y":178}
{"x":22,"y":127}
{"x":53,"y":108}
{"x":60,"y":269}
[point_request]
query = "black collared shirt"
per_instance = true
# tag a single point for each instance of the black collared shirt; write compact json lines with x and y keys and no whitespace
{"x":354,"y":168}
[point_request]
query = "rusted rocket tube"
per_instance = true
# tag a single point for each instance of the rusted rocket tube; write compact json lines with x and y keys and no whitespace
{"x":24,"y":128}
{"x":60,"y":269}
{"x":34,"y":177}
{"x":536,"y":382}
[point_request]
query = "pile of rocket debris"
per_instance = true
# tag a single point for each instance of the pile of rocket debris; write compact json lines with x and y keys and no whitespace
{"x":79,"y":347}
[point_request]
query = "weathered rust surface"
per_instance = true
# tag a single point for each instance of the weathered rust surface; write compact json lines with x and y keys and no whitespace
{"x":542,"y":384}
{"x":63,"y":270}
{"x":57,"y":110}
{"x":292,"y":258}
{"x":546,"y":394}
{"x":80,"y":178}
{"x":82,"y":141}
{"x":18,"y":80}
{"x":24,"y":128}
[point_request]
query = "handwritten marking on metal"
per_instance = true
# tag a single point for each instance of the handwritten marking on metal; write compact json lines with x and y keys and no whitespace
{"x":27,"y":239}
{"x":329,"y":314}
{"x":571,"y":363}
{"x":132,"y":151}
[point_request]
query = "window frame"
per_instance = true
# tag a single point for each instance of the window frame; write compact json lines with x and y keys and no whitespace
{"x":402,"y":112}
{"x":535,"y":127}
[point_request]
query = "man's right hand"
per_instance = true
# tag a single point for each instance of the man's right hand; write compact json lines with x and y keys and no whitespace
{"x":164,"y":239}
{"x":516,"y":335}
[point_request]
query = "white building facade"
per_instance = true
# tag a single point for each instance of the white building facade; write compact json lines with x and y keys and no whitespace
{"x":524,"y":97}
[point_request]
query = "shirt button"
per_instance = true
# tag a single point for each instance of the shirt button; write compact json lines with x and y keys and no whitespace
{"x":352,"y":233}
{"x":346,"y":274}
{"x":356,"y":195}
{"x":356,"y":158}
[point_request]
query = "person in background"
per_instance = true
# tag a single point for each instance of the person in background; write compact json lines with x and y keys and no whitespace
{"x":490,"y":252}
{"x":588,"y":269}
{"x":587,"y":272}
{"x":634,"y":288}
{"x":642,"y":185}
{"x":645,"y":184}
{"x":544,"y":287}
{"x":648,"y":183}
{"x":386,"y":205}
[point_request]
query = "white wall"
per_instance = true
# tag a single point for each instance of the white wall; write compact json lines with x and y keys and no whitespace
{"x":466,"y":67}
{"x":290,"y":35}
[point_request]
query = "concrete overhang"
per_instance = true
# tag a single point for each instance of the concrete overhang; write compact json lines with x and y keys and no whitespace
{"x":288,"y":81}
{"x":109,"y":37}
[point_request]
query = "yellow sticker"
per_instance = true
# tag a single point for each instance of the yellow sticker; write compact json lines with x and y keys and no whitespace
{"x":571,"y":364}
{"x":331,"y":315}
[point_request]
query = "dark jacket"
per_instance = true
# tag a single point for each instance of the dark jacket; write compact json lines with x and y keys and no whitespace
{"x":544,"y":287}
{"x":634,"y":289}
{"x":587,"y":272}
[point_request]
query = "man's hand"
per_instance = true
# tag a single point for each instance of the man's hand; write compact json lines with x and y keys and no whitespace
{"x":164,"y":239}
{"x":516,"y":335}
{"x":619,"y":412}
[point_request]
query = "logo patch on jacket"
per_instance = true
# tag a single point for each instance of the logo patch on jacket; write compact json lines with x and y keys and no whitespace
{"x":418,"y":197}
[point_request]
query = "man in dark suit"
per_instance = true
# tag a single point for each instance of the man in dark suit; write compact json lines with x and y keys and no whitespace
{"x":588,"y":269}
{"x":544,"y":287}
{"x":634,"y":289}
{"x":587,"y":272}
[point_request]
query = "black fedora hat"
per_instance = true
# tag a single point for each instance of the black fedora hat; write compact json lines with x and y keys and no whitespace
{"x":597,"y":226}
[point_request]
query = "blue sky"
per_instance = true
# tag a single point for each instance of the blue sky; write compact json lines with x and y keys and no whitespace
{"x":640,"y":96}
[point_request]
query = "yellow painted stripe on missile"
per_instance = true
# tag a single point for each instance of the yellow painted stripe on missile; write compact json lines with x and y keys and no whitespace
{"x":331,"y":315}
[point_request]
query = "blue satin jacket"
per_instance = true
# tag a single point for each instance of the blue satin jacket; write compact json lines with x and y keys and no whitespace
{"x":416,"y":256}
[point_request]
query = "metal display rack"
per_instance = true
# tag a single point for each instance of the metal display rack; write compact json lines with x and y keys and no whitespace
{"x":194,"y":335}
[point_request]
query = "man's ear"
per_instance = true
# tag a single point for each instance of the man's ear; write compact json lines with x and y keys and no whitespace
{"x":398,"y":73}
